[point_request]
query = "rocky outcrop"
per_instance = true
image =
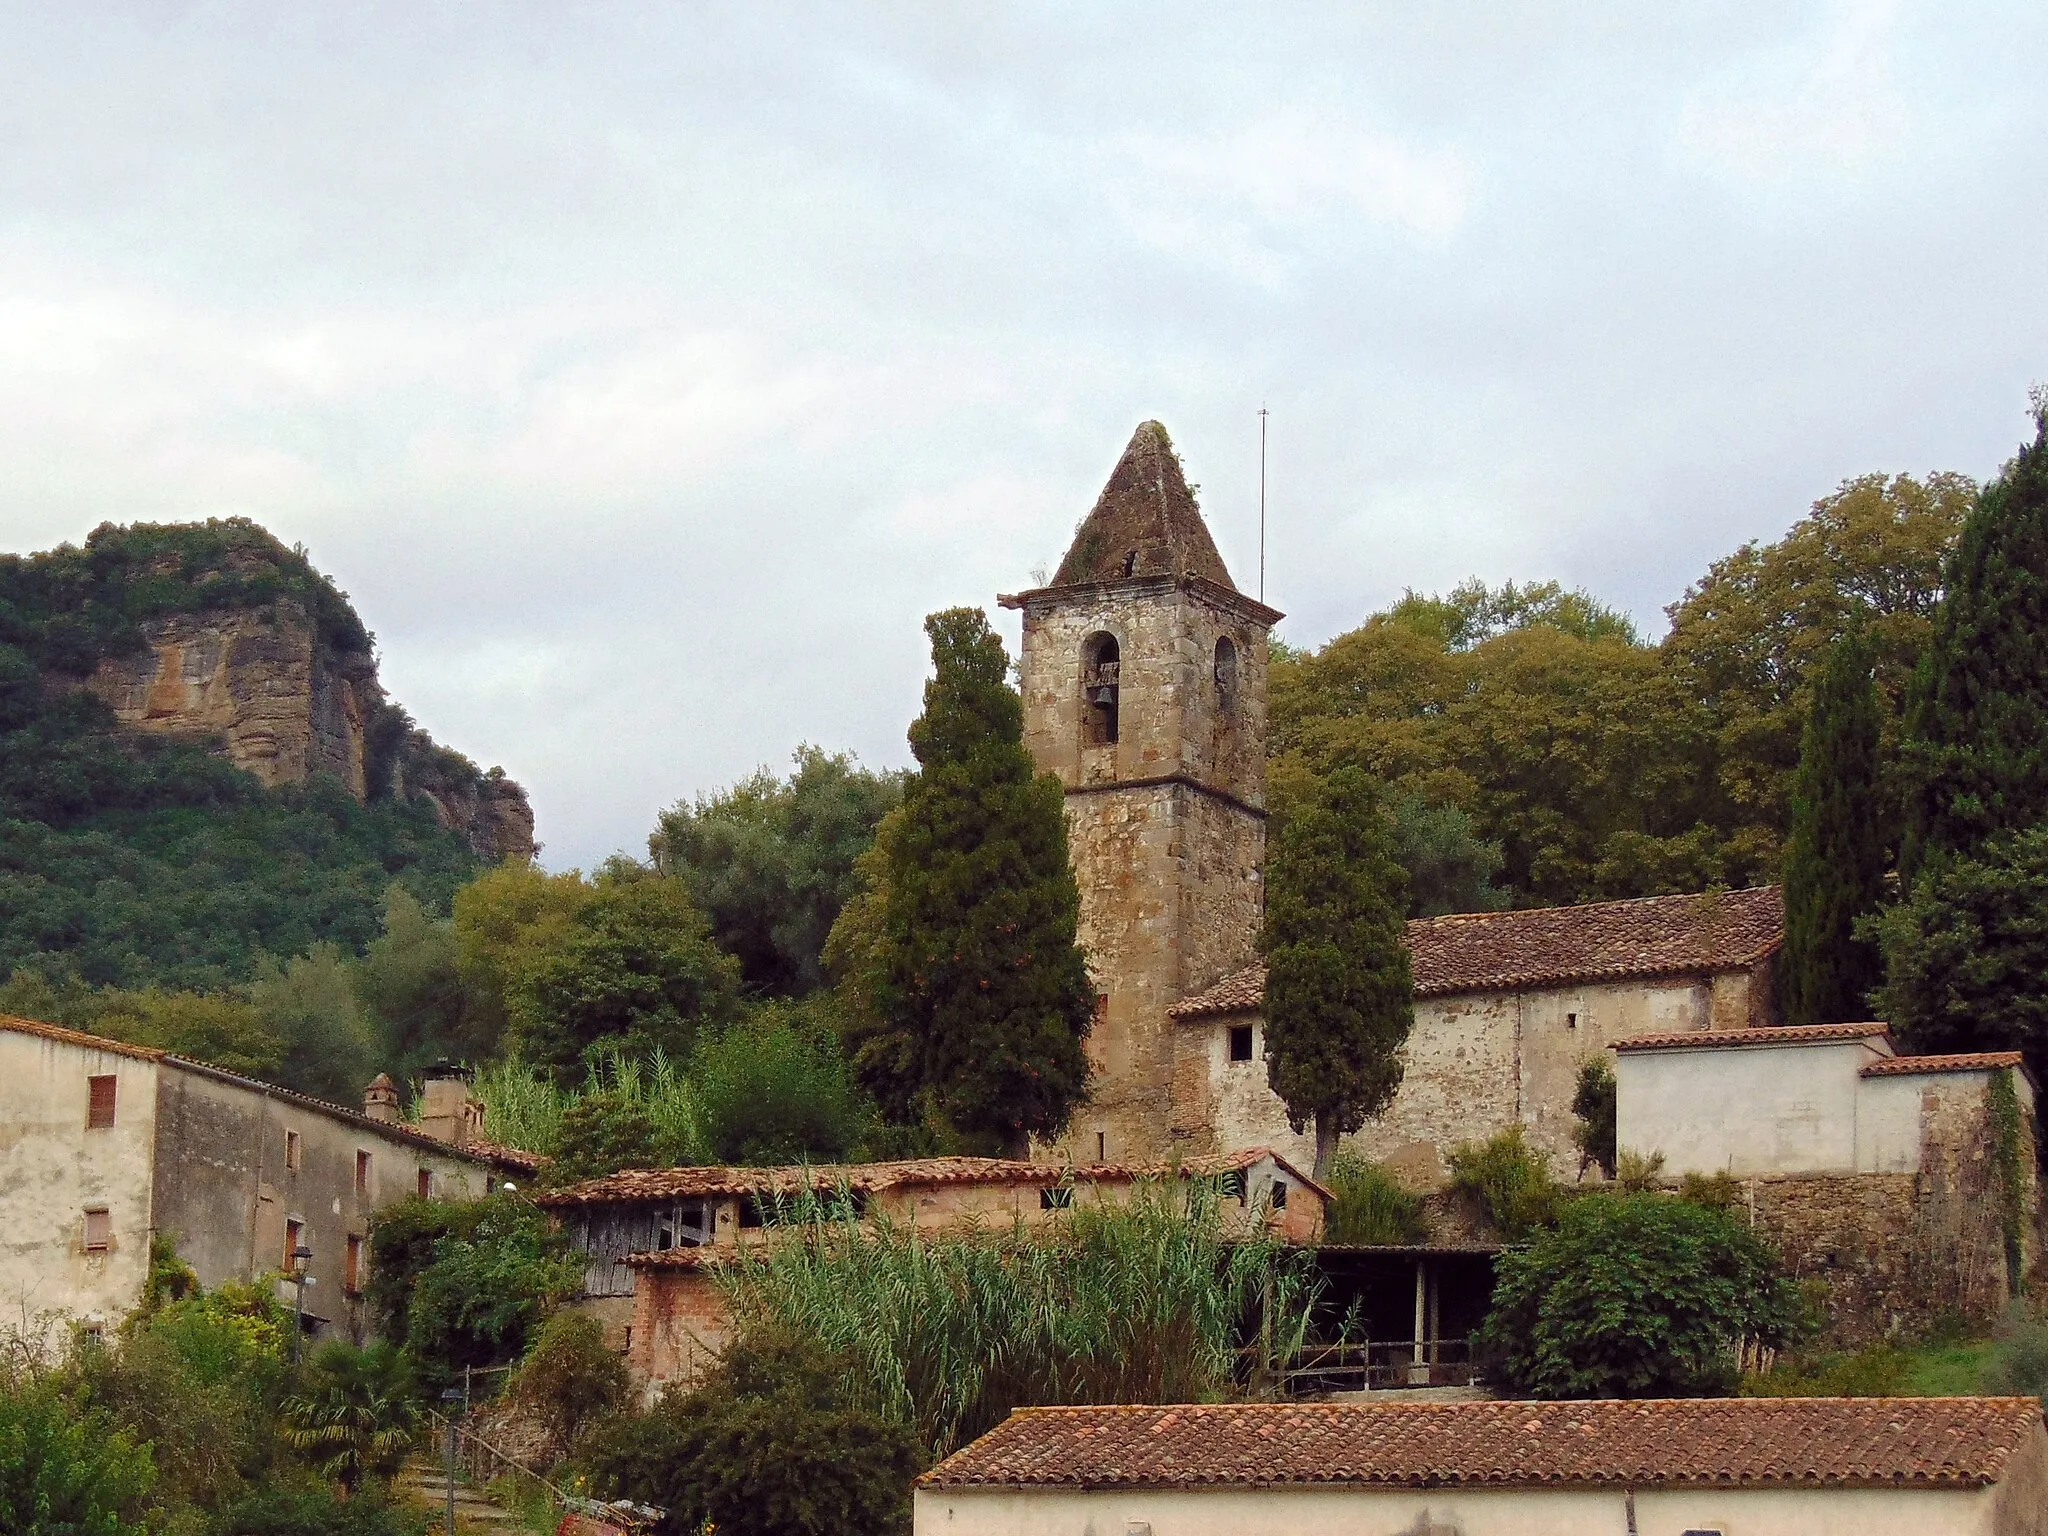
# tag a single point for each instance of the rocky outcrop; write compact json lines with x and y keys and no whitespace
{"x":287,"y":706}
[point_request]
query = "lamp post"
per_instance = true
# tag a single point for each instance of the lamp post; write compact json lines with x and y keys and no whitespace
{"x":301,"y":1257}
{"x":451,"y":1399}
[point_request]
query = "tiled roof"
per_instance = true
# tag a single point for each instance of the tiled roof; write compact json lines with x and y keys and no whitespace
{"x":1790,"y":1034}
{"x":476,"y":1152}
{"x":635,"y":1184}
{"x":1925,"y":1442}
{"x":507,"y":1157}
{"x":1913,"y":1066}
{"x":1554,"y":946}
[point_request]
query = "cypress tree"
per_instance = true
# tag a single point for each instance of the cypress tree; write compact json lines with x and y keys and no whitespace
{"x":1339,"y":995}
{"x":977,"y":972}
{"x":1834,"y":858}
{"x":1977,"y":730}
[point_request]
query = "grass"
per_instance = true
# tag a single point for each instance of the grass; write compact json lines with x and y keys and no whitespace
{"x":1949,"y":1370}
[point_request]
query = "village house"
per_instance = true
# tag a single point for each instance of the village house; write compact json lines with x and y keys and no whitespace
{"x":1696,"y":1467}
{"x":655,"y":1237}
{"x":1908,"y":1182}
{"x":1143,"y":677}
{"x":105,"y":1146}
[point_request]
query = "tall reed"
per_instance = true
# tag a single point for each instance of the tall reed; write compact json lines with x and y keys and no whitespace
{"x":523,"y":1106}
{"x":1145,"y":1302}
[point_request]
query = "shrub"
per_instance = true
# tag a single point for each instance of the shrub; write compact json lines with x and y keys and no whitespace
{"x":1635,"y":1174}
{"x":1716,"y":1191}
{"x":771,"y":1445}
{"x":2021,"y":1363}
{"x":64,"y":1472}
{"x":1879,"y":1371}
{"x":465,"y":1284}
{"x":569,"y":1378}
{"x":315,"y":1512}
{"x":1370,"y":1208}
{"x":1635,"y":1296}
{"x":774,"y":1088}
{"x":1511,"y":1183}
{"x":601,"y":1133}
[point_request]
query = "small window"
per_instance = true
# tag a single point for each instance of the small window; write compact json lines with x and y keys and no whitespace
{"x":426,"y":1183}
{"x":99,"y":1229}
{"x":1101,"y":685}
{"x":1231,"y":1185}
{"x":293,"y":1150}
{"x":1240,"y":1042}
{"x":1101,"y":1146}
{"x":99,"y":1114}
{"x":755,"y":1214}
{"x":1571,"y":1021}
{"x":293,"y":1232}
{"x":1058,"y":1198}
{"x":629,"y":1338}
{"x":352,"y":1266}
{"x":1279,"y":1195}
{"x":362,"y":1173}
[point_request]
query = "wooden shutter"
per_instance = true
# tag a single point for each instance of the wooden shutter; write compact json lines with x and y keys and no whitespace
{"x":100,"y":1114}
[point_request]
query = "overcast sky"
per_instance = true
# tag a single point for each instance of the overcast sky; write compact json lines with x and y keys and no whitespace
{"x":646,"y":373}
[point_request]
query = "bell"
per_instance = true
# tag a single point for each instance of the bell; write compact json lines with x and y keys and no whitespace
{"x":1104,"y":696}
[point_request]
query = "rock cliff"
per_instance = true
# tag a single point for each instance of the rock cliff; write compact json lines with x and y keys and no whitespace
{"x":249,"y":647}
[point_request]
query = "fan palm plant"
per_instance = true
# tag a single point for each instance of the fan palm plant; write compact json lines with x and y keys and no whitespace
{"x":355,"y":1413}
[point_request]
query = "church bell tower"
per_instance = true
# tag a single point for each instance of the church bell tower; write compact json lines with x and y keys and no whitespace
{"x":1144,"y":681}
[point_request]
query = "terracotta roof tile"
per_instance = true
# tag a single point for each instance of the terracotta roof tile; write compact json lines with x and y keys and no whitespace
{"x":633,"y":1184}
{"x":1955,"y":1442}
{"x":1913,"y":1066}
{"x":1553,"y":946}
{"x":1790,"y":1034}
{"x":79,"y":1038}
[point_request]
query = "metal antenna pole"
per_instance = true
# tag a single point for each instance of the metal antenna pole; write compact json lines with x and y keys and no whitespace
{"x":1262,"y":503}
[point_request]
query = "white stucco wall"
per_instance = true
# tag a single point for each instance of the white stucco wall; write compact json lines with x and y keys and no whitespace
{"x":52,"y":1167}
{"x":1888,"y":1124}
{"x":1458,"y":1512}
{"x":1744,"y":1109}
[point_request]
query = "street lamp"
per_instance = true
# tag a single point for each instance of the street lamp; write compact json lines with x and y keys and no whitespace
{"x":301,"y":1257}
{"x":451,"y":1400}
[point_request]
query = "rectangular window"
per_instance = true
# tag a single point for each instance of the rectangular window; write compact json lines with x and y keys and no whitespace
{"x":1571,"y":1021}
{"x":352,"y":1266}
{"x":291,"y":1151}
{"x":1279,"y":1195}
{"x":1102,"y":1146}
{"x":1240,"y":1042}
{"x":99,"y":1229}
{"x":362,"y":1173}
{"x":292,"y":1233}
{"x":426,"y":1183}
{"x":99,"y":1114}
{"x":1231,"y":1185}
{"x":1057,"y":1199}
{"x":753,"y":1213}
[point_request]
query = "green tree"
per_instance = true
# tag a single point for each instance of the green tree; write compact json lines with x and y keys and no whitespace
{"x":410,"y":982}
{"x":1835,"y":857}
{"x":1977,"y":734}
{"x":570,"y":1378}
{"x":1339,"y":997}
{"x":222,"y":1030}
{"x":979,"y":983}
{"x":496,"y":1270}
{"x":774,"y":1087}
{"x":1594,"y":1107}
{"x":601,"y":1133}
{"x":770,"y":861}
{"x":64,"y":1473}
{"x":505,"y":920}
{"x":1966,"y":951}
{"x":1635,"y":1296}
{"x":309,"y":1002}
{"x":635,"y":969}
{"x":355,"y":1412}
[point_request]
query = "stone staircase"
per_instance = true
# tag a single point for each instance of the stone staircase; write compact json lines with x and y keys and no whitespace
{"x":423,"y":1480}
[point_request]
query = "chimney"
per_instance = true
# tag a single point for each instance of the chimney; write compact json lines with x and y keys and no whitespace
{"x":380,"y":1100}
{"x":447,"y":1112}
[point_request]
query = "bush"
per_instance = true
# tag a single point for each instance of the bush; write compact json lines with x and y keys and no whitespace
{"x":1879,"y":1371}
{"x":315,"y":1512}
{"x":1593,"y":1104}
{"x":774,"y":1088}
{"x":1635,"y":1296}
{"x":2021,"y":1365}
{"x":1511,"y":1183}
{"x":466,"y":1284}
{"x":570,"y":1378}
{"x":64,"y":1472}
{"x":601,"y":1133}
{"x":771,"y":1445}
{"x":1716,"y":1191}
{"x":1370,"y":1208}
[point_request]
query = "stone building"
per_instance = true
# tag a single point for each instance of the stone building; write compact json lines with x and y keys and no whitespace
{"x":1877,"y":1172}
{"x":655,"y":1237}
{"x":1954,"y":1466}
{"x":105,"y":1146}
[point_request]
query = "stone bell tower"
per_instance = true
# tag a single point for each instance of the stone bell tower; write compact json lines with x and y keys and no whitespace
{"x":1144,"y":680}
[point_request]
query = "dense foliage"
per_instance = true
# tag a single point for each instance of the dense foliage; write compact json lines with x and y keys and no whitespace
{"x":1595,"y":1109}
{"x":1638,"y":1295}
{"x":973,"y":994}
{"x":1836,"y":856}
{"x":770,"y":861}
{"x":1369,"y":1207}
{"x":1339,"y":997}
{"x":1508,"y":1181}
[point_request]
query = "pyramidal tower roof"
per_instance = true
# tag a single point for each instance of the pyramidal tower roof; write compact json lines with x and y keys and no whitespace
{"x":1145,"y":522}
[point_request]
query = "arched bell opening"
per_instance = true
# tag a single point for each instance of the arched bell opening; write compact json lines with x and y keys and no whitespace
{"x":1100,"y":668}
{"x":1226,"y":675}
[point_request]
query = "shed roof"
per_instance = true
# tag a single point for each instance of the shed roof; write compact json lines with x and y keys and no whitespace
{"x":637,"y":1184}
{"x":1145,"y":522}
{"x":1736,"y":1039}
{"x":1554,"y":946}
{"x":1955,"y":1442}
{"x":1974,"y":1061}
{"x":476,"y":1152}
